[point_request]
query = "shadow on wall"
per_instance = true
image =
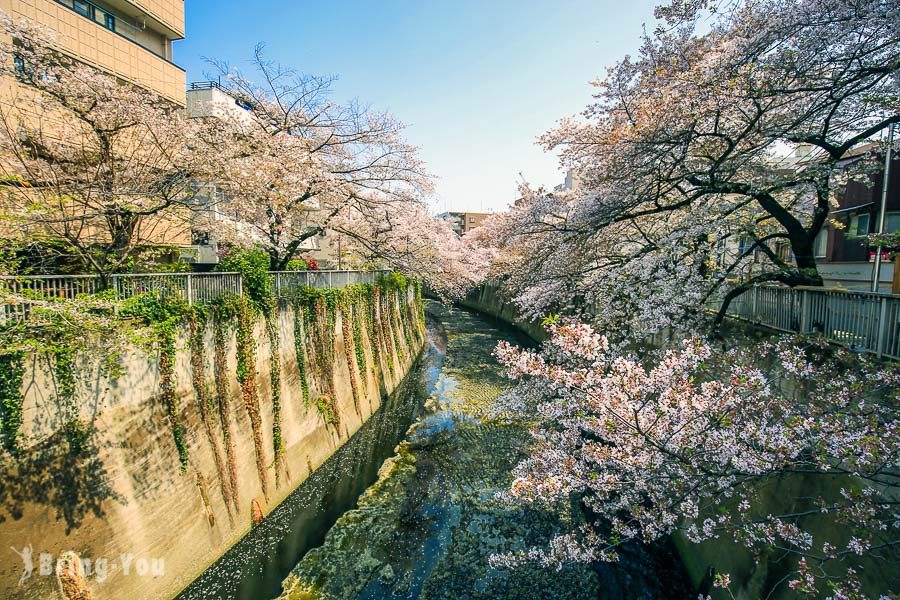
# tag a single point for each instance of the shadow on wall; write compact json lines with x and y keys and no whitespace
{"x":68,"y":478}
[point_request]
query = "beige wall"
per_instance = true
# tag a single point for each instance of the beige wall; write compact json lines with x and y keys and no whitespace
{"x":95,"y":45}
{"x":155,"y":509}
{"x":168,"y":12}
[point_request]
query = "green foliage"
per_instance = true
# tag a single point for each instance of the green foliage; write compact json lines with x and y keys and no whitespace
{"x":393,"y":281}
{"x":11,"y":372}
{"x":253,"y":265}
{"x":74,"y":430}
{"x":300,"y":349}
{"x":246,"y":344}
{"x":296,"y":264}
{"x":550,"y":320}
{"x":326,"y":407}
{"x":358,"y":348}
{"x":275,"y":380}
{"x":164,"y":314}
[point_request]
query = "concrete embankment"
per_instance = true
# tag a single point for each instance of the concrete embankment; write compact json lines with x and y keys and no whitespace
{"x":146,"y":521}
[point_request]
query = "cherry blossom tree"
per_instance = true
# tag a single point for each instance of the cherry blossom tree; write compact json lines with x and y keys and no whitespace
{"x":300,"y":161}
{"x":408,"y":239}
{"x":90,"y":160}
{"x":697,"y":440}
{"x":729,"y":126}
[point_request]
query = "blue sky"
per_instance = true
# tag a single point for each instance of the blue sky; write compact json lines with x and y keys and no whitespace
{"x":476,"y":82}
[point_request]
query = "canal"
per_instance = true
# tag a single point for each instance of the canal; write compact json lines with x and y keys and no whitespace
{"x":408,"y":508}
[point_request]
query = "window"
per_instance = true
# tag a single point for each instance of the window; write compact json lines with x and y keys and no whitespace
{"x":109,"y":21}
{"x":892,"y":222}
{"x":82,"y":8}
{"x":471,"y":219}
{"x":820,"y":245}
{"x":859,"y":225}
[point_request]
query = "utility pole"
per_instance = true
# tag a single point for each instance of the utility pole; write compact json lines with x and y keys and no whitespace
{"x":876,"y":268}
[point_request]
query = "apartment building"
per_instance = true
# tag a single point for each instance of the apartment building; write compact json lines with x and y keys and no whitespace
{"x":210,"y":99}
{"x":127,"y":38}
{"x":463,"y":222}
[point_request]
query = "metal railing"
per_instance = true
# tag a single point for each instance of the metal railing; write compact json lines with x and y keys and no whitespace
{"x":206,"y":85}
{"x":287,"y":281}
{"x":192,"y":287}
{"x":863,"y":321}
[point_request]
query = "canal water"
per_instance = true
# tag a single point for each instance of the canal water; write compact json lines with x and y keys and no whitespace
{"x":408,"y":509}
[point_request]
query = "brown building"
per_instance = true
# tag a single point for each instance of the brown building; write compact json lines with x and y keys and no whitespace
{"x":844,"y":259}
{"x":129,"y":39}
{"x":463,"y":222}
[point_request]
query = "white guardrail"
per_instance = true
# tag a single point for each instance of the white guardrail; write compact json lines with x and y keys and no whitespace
{"x":193,"y":287}
{"x":863,"y":321}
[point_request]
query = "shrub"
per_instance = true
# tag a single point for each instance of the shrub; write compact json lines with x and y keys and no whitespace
{"x":253,"y":265}
{"x":296,"y":264}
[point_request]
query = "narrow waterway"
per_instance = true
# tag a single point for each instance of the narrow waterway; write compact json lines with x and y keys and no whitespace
{"x":428,"y":526}
{"x":254,"y":568}
{"x":408,"y":508}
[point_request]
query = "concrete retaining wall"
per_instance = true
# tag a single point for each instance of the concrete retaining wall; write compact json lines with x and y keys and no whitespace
{"x":128,"y":500}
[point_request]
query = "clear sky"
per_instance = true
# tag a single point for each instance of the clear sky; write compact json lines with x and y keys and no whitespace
{"x":475,"y":81}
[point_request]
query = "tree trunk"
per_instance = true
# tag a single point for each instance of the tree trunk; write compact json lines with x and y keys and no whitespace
{"x":806,"y":263}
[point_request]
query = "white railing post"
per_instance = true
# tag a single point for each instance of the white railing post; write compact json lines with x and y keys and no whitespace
{"x":330,"y":279}
{"x":188,"y":289}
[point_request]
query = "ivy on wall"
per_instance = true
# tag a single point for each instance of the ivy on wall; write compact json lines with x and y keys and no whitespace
{"x":371,"y":313}
{"x":300,"y":348}
{"x":164,"y":315}
{"x":12,"y":370}
{"x":197,"y":324}
{"x":358,"y":346}
{"x":75,"y":431}
{"x":223,"y":398}
{"x":274,"y":336}
{"x":349,"y":355}
{"x":245,"y":314}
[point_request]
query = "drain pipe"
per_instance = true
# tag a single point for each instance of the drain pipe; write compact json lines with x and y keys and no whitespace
{"x":876,"y":268}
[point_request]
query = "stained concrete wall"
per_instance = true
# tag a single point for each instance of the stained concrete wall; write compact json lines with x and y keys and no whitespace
{"x":488,"y":299}
{"x":130,"y":497}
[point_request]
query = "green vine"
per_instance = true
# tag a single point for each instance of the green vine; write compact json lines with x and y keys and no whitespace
{"x":167,"y":394}
{"x":326,"y":407}
{"x":220,"y":365}
{"x":197,"y":322}
{"x":300,"y":348}
{"x":76,"y":433}
{"x":11,"y":372}
{"x":275,"y":381}
{"x":347,"y":334}
{"x":164,"y":314}
{"x":358,"y":347}
{"x":246,"y":375}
